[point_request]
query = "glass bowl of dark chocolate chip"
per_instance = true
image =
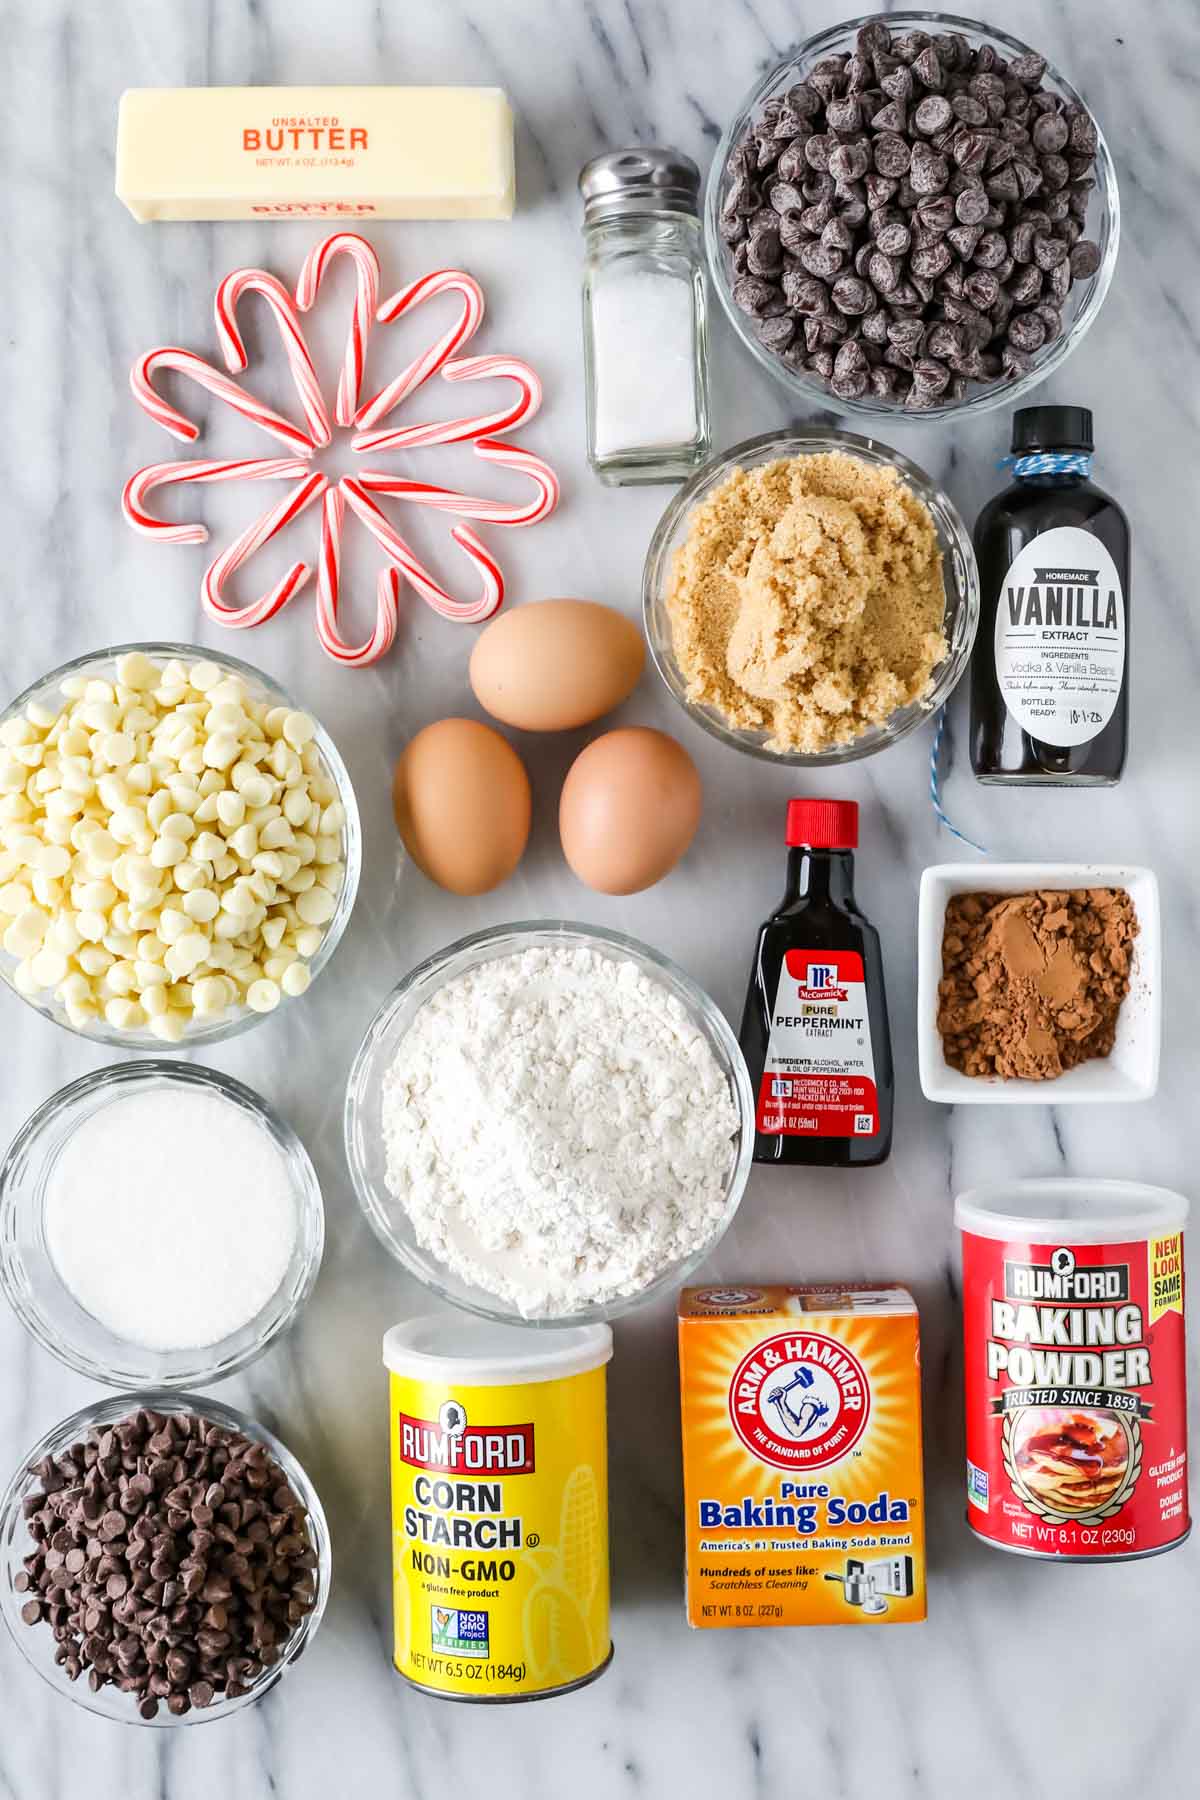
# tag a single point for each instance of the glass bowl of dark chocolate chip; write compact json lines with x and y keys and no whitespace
{"x":914,"y":214}
{"x":163,"y":1559}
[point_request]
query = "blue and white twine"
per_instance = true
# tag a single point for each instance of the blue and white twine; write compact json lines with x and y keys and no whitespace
{"x":935,"y":758}
{"x":1048,"y":462}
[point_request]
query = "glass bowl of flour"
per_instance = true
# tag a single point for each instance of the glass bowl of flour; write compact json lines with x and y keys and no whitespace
{"x":549,"y":1122}
{"x":159,"y":1224}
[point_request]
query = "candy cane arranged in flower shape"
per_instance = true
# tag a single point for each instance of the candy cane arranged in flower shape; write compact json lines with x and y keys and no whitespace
{"x":143,"y":483}
{"x":381,"y":527}
{"x":457,"y":431}
{"x":253,"y":538}
{"x":287,"y":321}
{"x":387,"y":606}
{"x":492,"y":512}
{"x":366,"y":302}
{"x":186,"y":362}
{"x":426,"y":287}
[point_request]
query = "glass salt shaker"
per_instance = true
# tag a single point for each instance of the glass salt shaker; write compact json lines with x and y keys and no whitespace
{"x":644,"y":316}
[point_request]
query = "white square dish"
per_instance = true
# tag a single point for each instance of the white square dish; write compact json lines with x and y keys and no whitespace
{"x":1130,"y":1072}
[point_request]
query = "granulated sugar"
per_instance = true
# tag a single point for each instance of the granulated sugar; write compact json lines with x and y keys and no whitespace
{"x":557,"y":1129}
{"x":170,"y":1217}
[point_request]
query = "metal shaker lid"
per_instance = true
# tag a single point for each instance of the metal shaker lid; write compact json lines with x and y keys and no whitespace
{"x":644,"y":178}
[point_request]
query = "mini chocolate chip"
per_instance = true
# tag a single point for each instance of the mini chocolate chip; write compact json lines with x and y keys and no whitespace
{"x":1085,"y":259}
{"x":1026,"y":332}
{"x":933,"y":114}
{"x":1048,"y":252}
{"x":991,"y":250}
{"x":1050,"y":133}
{"x":928,"y":171}
{"x":851,"y":295}
{"x":775,"y":333}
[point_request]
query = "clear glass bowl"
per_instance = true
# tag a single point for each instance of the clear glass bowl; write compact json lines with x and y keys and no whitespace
{"x":45,"y":1305}
{"x":959,"y":569}
{"x":100,"y":663}
{"x":365,"y":1148}
{"x":1083,"y":302}
{"x":36,"y":1642}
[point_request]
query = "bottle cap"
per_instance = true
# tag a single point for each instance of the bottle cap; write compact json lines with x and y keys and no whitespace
{"x":1052,"y":428}
{"x":823,"y":824}
{"x":645,"y":178}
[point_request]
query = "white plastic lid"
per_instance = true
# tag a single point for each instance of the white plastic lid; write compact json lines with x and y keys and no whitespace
{"x":455,"y":1347}
{"x":1085,"y":1212}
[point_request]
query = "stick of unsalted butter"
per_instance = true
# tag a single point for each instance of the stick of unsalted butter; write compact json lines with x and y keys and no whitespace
{"x":325,"y":153}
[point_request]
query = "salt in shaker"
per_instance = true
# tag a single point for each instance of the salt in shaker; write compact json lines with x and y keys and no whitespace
{"x":644,"y":316}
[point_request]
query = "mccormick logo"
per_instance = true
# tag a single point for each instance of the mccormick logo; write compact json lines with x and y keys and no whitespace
{"x":799,"y":1400}
{"x":451,"y":1444}
{"x":821,"y":983}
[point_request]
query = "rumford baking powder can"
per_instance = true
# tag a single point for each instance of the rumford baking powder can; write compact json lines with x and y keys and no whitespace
{"x":499,"y":1506}
{"x":1074,"y":1363}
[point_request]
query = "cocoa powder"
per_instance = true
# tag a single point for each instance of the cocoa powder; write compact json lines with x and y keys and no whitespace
{"x":1032,"y":983}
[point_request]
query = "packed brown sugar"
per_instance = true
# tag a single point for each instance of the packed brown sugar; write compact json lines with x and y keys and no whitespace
{"x":1032,"y":983}
{"x":807,"y":599}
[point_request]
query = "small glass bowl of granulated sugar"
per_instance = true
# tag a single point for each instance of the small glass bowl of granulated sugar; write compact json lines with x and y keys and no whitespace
{"x":549,"y":1122}
{"x":159,"y":1224}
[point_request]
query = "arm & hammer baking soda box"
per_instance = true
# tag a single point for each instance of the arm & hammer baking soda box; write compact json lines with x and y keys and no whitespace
{"x":803,"y":1497}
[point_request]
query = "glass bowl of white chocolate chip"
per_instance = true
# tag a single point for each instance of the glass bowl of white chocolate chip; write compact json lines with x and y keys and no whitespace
{"x":179,"y":846}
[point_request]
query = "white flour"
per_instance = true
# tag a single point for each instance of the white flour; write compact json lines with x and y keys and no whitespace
{"x":557,"y":1129}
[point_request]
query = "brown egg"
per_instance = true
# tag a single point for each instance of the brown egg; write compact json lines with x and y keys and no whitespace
{"x":556,"y":664}
{"x":629,"y":809}
{"x":462,"y":804}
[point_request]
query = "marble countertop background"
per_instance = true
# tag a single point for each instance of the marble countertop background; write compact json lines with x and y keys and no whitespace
{"x":1030,"y":1679}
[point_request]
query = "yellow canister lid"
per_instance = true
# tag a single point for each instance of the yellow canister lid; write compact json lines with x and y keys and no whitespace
{"x":455,"y":1347}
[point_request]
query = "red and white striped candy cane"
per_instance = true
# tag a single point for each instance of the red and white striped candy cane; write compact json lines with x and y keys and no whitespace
{"x":186,"y":362}
{"x":143,"y":483}
{"x":457,"y":431}
{"x":387,"y":605}
{"x":493,"y":512}
{"x":253,"y":538}
{"x":426,"y":287}
{"x":287,"y":322}
{"x":366,"y":302}
{"x":466,"y":612}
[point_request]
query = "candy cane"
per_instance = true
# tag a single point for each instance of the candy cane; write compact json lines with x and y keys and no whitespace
{"x":143,"y":483}
{"x":494,"y":512}
{"x":185,"y":362}
{"x":287,"y":323}
{"x":253,"y":538}
{"x":387,"y":606}
{"x":456,"y":431}
{"x":440,"y":281}
{"x":381,"y":527}
{"x":366,"y":300}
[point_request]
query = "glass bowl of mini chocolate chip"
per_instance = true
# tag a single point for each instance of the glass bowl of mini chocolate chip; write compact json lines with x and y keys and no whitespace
{"x":912,"y":215}
{"x":163,"y":1559}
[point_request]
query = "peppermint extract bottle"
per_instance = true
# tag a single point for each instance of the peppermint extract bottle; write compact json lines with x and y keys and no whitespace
{"x":1050,"y":668}
{"x":815,"y":1027}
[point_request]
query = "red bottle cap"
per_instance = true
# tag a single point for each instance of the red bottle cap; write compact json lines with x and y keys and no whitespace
{"x":823,"y":824}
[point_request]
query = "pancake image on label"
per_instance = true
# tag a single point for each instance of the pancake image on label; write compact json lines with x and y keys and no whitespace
{"x":1071,"y":1462}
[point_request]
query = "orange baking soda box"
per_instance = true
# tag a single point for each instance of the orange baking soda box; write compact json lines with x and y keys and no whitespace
{"x":803,"y":1496}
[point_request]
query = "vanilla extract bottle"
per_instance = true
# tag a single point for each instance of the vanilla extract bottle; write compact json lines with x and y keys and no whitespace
{"x":1050,"y":668}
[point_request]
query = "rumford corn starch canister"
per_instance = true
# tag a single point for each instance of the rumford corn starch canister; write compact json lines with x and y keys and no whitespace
{"x":1074,"y":1362}
{"x":499,"y":1506}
